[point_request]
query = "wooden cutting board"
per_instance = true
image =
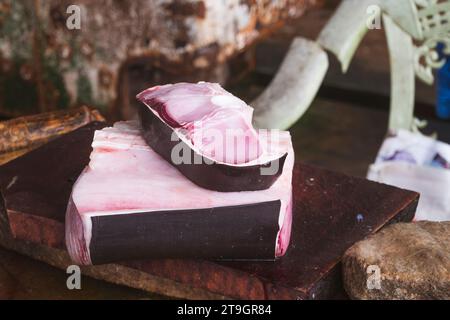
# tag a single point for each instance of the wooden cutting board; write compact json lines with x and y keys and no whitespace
{"x":331,"y":212}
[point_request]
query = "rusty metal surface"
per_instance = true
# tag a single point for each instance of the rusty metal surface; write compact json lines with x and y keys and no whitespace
{"x":44,"y":65}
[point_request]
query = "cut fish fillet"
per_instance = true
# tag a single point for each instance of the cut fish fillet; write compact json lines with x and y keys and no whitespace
{"x":214,"y":126}
{"x":129,"y":203}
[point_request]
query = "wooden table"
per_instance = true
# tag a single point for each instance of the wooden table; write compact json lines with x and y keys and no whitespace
{"x":331,"y":212}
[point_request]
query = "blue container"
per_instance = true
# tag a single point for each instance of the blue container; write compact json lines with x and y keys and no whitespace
{"x":443,"y":91}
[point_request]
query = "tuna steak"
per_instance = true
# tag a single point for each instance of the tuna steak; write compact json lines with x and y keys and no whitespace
{"x":129,"y":203}
{"x":220,"y":149}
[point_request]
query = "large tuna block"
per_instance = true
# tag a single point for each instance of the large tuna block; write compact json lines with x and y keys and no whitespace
{"x":129,"y":203}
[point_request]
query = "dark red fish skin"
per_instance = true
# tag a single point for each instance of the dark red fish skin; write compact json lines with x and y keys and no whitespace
{"x":160,"y":108}
{"x":215,"y":176}
{"x":245,"y":232}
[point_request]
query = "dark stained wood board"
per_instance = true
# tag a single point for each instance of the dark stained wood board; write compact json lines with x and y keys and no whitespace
{"x":331,"y":212}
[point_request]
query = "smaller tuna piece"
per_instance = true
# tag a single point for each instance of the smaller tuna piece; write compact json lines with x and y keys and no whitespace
{"x":129,"y":203}
{"x":207,"y":134}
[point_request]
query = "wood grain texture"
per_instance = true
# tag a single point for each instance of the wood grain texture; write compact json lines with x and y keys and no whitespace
{"x":21,"y":135}
{"x":331,"y":212}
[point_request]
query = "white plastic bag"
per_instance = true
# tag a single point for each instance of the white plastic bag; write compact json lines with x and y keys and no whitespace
{"x":415,"y":162}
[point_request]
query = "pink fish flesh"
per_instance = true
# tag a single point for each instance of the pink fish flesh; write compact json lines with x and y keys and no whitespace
{"x":129,"y":203}
{"x":213,"y":125}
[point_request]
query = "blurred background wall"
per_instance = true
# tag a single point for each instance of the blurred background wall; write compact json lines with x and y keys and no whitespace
{"x":123,"y":46}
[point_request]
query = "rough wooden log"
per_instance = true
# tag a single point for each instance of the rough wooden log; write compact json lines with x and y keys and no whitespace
{"x":21,"y":135}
